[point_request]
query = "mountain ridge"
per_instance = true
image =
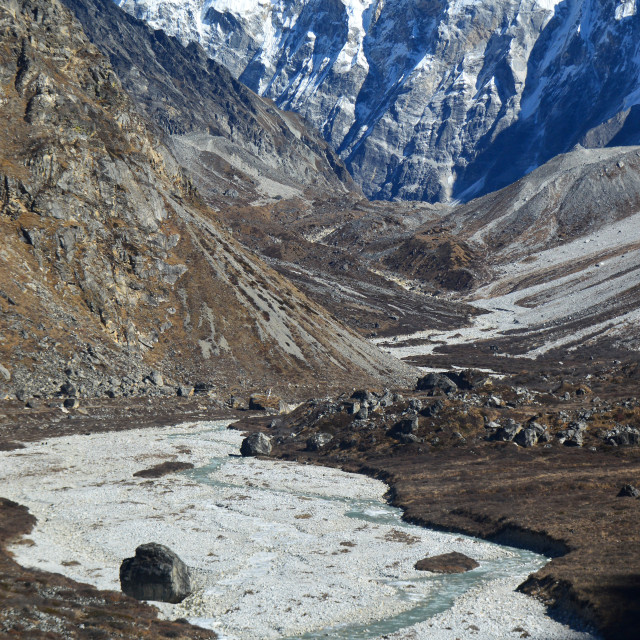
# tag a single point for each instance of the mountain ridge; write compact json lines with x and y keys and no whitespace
{"x":438,"y":100}
{"x":113,"y":269}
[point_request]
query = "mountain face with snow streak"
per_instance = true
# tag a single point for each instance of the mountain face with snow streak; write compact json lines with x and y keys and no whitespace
{"x":431,"y":99}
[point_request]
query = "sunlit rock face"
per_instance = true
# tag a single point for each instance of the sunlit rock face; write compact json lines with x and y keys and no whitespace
{"x":431,"y":99}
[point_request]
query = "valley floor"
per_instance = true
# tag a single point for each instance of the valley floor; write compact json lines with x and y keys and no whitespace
{"x":277,"y":549}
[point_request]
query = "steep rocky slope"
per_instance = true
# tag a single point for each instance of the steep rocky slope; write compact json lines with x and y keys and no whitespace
{"x":287,"y":226}
{"x":437,"y":99}
{"x":241,"y":146}
{"x":115,"y":278}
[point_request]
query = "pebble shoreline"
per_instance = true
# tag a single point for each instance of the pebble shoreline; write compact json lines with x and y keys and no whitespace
{"x":272,"y":550}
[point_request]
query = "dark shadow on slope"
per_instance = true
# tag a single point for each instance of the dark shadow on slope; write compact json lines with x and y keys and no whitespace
{"x":565,"y":112}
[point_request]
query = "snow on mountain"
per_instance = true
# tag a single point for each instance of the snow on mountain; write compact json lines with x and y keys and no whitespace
{"x":431,"y":99}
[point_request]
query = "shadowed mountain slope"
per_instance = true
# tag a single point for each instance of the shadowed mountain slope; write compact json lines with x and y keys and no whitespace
{"x":241,"y":145}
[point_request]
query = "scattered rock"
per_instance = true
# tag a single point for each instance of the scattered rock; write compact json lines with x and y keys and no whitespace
{"x":155,"y":573}
{"x":234,"y":402}
{"x":185,"y":391}
{"x":622,"y":436}
{"x":405,"y":427}
{"x":257,"y":444}
{"x":363,"y":396}
{"x":352,"y":407}
{"x":436,"y":381}
{"x":453,"y":562}
{"x":387,"y":399}
{"x":433,"y":410}
{"x":573,"y":435}
{"x":318,"y":440}
{"x":508,"y":432}
{"x":71,"y":403}
{"x":156,"y":378}
{"x":32,"y":403}
{"x":408,"y":438}
{"x":529,"y":436}
{"x":202,"y":388}
{"x":5,"y":373}
{"x":469,"y":379}
{"x":628,"y":491}
{"x":163,"y":469}
{"x":68,"y":389}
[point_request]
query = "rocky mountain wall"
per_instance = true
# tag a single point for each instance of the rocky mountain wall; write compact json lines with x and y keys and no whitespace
{"x":431,"y":100}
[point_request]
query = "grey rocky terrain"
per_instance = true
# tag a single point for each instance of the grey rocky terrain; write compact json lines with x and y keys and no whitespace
{"x":434,"y":100}
{"x":239,"y":147}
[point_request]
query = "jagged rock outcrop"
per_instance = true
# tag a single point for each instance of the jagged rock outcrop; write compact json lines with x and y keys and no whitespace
{"x":435,"y":99}
{"x":112,"y":267}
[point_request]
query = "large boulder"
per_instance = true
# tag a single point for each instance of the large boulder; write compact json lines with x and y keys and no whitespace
{"x":436,"y":382}
{"x":405,"y":427}
{"x":621,"y":436}
{"x":363,"y":396}
{"x":257,"y":444}
{"x":529,"y":436}
{"x":508,"y":432}
{"x":573,"y":435}
{"x":453,"y":562}
{"x":318,"y":441}
{"x":469,"y":379}
{"x":155,"y":573}
{"x":628,"y":491}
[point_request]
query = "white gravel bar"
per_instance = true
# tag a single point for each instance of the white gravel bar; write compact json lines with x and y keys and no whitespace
{"x":277,"y":549}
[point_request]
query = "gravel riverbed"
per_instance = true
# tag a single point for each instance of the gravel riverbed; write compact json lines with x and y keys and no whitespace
{"x":277,"y":550}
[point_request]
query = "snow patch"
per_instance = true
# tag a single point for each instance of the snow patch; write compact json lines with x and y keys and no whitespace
{"x":626,"y":9}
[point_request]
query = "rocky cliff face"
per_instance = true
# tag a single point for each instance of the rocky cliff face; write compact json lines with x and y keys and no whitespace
{"x":115,"y":278}
{"x":436,"y":99}
{"x":244,"y":148}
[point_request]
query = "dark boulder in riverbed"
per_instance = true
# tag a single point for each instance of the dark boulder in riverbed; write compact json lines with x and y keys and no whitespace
{"x":453,"y":562}
{"x":257,"y":444}
{"x":155,"y":573}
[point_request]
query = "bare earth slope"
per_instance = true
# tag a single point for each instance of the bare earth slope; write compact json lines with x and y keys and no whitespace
{"x":559,"y":252}
{"x":111,"y":266}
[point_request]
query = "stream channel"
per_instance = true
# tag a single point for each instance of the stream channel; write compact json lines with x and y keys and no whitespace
{"x":277,"y":550}
{"x":443,"y":589}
